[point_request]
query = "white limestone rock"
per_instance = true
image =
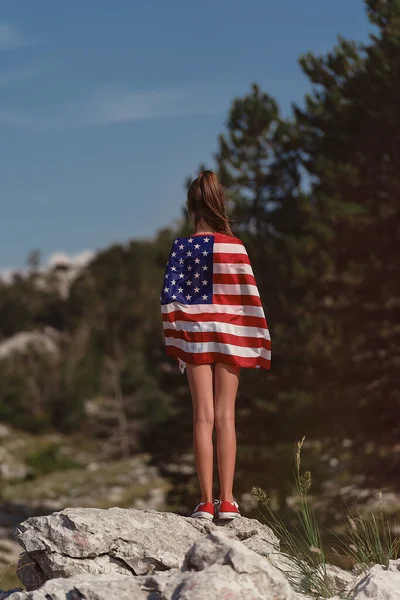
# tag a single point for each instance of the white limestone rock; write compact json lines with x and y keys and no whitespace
{"x":90,"y":587}
{"x":379,"y":583}
{"x":220,"y":567}
{"x":120,"y":541}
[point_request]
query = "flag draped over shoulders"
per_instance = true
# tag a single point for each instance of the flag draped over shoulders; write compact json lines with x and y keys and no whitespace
{"x":210,"y":304}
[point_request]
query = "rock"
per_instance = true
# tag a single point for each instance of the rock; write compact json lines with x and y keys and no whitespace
{"x":90,"y":587}
{"x":394,"y":565}
{"x":23,"y":341}
{"x":113,"y":541}
{"x":4,"y":430}
{"x":219,"y":567}
{"x":379,"y":583}
{"x":121,"y":541}
{"x":119,"y":553}
{"x":29,"y":572}
{"x":340,"y":579}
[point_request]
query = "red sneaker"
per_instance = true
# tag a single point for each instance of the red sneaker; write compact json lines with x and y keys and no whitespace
{"x":228,"y":510}
{"x":204,"y":510}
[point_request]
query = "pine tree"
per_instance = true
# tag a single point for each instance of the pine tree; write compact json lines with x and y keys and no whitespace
{"x":350,"y":131}
{"x":258,"y":162}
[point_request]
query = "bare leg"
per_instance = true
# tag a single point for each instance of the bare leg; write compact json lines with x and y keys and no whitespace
{"x":226,"y":386}
{"x":200,"y":378}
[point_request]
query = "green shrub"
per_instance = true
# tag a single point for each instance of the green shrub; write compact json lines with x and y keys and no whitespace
{"x":48,"y":459}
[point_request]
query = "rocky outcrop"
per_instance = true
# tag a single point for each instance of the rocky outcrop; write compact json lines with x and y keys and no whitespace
{"x":215,"y":567}
{"x":120,"y":542}
{"x":340,"y":580}
{"x":118,"y":553}
{"x":379,"y":583}
{"x":90,"y":587}
{"x":24,"y":341}
{"x":219,"y":567}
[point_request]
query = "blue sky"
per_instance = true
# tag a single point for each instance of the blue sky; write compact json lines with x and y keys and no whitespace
{"x":106,"y":107}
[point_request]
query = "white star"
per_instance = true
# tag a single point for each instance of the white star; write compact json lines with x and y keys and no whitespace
{"x":173,"y":282}
{"x":173,"y":297}
{"x":189,"y":268}
{"x":205,"y":268}
{"x":205,"y":297}
{"x":166,"y":276}
{"x":188,"y":253}
{"x":205,"y":253}
{"x":197,"y":246}
{"x":197,"y":275}
{"x":188,"y":297}
{"x":181,"y":275}
{"x":173,"y":254}
{"x":173,"y":268}
{"x":181,"y":247}
{"x":188,"y":282}
{"x":204,"y":282}
{"x":196,"y":289}
{"x":180,"y":261}
{"x":197,"y":260}
{"x":176,"y":241}
{"x":207,"y":239}
{"x":180,"y":290}
{"x":160,"y":298}
{"x":166,"y":289}
{"x":190,"y":240}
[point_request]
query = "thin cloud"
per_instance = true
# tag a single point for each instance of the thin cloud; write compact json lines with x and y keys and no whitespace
{"x":11,"y":37}
{"x":111,"y":106}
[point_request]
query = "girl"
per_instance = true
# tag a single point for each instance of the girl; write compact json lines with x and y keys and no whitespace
{"x":214,"y":325}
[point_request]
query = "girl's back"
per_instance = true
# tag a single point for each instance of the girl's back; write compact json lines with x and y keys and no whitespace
{"x":210,"y":304}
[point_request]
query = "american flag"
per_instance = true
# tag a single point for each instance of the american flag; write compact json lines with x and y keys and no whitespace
{"x":210,"y":304}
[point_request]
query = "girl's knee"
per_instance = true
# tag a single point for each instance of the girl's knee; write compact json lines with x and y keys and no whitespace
{"x":224,"y":420}
{"x":207,"y":420}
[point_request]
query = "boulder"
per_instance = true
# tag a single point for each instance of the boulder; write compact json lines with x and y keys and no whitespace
{"x":22,"y":342}
{"x":216,"y":566}
{"x":341,"y":580}
{"x":379,"y":583}
{"x":221,"y":567}
{"x":120,"y":541}
{"x":90,"y":587}
{"x":120,"y":553}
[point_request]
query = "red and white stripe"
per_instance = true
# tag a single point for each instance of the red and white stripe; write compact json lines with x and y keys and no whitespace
{"x":232,"y":329}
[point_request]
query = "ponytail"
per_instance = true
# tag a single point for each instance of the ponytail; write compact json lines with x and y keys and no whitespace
{"x":206,"y":198}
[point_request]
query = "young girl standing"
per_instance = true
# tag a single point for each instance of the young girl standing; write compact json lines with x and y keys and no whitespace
{"x":214,"y":325}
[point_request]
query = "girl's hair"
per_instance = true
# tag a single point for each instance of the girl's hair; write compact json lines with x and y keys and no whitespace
{"x":206,"y":198}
